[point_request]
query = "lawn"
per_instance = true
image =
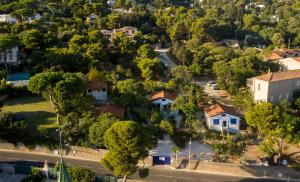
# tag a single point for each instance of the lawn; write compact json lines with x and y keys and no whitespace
{"x":36,"y":110}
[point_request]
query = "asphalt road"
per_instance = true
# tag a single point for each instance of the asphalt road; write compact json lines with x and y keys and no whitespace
{"x":157,"y":173}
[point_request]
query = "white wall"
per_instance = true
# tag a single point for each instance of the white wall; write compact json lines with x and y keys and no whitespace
{"x":163,"y":103}
{"x":260,"y":90}
{"x":7,"y":18}
{"x":227,"y":117}
{"x":98,"y":95}
{"x":289,"y":64}
{"x":11,"y":56}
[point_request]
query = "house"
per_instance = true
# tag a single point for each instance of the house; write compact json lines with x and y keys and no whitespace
{"x":274,"y":87}
{"x":108,"y":35}
{"x":7,"y":18}
{"x":220,"y":117}
{"x":111,"y":2}
{"x":112,"y":109}
{"x":128,"y":30}
{"x":98,"y":90}
{"x":289,"y":63}
{"x":10,"y":56}
{"x":281,"y":54}
{"x":34,"y":17}
{"x":162,"y":100}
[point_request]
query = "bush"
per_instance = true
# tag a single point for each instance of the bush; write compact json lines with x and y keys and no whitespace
{"x":212,"y":135}
{"x":35,"y":175}
{"x":79,"y":174}
{"x":180,"y":138}
{"x":143,"y":172}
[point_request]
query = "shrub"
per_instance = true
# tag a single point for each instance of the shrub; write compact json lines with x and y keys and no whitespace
{"x":143,"y":172}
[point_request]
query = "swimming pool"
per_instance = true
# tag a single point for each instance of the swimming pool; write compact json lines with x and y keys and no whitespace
{"x":18,"y":76}
{"x":18,"y":79}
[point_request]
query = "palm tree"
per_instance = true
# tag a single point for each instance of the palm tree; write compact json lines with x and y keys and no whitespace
{"x":175,"y":149}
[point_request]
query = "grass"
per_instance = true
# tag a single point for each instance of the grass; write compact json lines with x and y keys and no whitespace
{"x":37,"y":111}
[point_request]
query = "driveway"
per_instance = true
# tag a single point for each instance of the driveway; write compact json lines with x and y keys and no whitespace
{"x":219,"y":95}
{"x":164,"y":148}
{"x":165,"y":58}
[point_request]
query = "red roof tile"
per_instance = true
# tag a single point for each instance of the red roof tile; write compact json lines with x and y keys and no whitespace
{"x":277,"y":76}
{"x":97,"y":85}
{"x":163,"y":95}
{"x":219,"y":109}
{"x":112,"y":109}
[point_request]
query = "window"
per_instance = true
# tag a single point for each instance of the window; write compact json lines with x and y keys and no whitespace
{"x":89,"y":91}
{"x":233,"y":121}
{"x":223,"y":114}
{"x":216,"y":121}
{"x":258,"y":88}
{"x":163,"y":99}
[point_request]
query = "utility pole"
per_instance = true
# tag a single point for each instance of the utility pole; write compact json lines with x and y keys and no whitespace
{"x":289,"y":43}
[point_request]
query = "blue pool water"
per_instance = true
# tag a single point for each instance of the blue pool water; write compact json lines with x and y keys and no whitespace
{"x":18,"y":76}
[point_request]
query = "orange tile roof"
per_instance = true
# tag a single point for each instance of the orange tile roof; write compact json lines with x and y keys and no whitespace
{"x":273,"y":56}
{"x":97,"y":85}
{"x":219,"y":109}
{"x":163,"y":95}
{"x":287,"y":50}
{"x":111,"y":108}
{"x":297,"y":59}
{"x":277,"y":76}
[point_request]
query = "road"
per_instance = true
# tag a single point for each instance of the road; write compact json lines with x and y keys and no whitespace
{"x":157,"y":173}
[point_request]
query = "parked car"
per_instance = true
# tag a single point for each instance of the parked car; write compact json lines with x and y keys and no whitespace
{"x":210,"y":83}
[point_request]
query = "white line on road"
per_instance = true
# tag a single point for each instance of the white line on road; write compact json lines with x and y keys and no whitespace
{"x":181,"y":178}
{"x":11,"y":158}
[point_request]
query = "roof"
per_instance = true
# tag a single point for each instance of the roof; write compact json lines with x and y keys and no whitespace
{"x":163,"y":95}
{"x":97,"y":85}
{"x":217,"y":109}
{"x":112,"y":109}
{"x":297,"y":59}
{"x":278,"y":53}
{"x":278,"y":76}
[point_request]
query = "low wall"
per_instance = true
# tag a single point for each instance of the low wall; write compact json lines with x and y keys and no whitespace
{"x":240,"y":169}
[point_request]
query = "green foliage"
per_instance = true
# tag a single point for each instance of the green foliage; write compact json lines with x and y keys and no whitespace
{"x":35,"y":175}
{"x":167,"y":126}
{"x":79,"y":174}
{"x":98,"y":129}
{"x":32,"y":39}
{"x":127,"y":142}
{"x":143,"y":172}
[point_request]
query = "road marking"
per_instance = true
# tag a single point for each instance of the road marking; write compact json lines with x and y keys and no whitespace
{"x":11,"y":158}
{"x":87,"y":167}
{"x":182,"y":178}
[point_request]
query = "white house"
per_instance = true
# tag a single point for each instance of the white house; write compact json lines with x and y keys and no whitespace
{"x":274,"y":87}
{"x":111,"y":2}
{"x":7,"y":18}
{"x":128,"y":31}
{"x":163,"y":100}
{"x":98,"y":90}
{"x":289,"y":63}
{"x":220,"y":117}
{"x":281,"y":54}
{"x":34,"y":17}
{"x":10,"y":56}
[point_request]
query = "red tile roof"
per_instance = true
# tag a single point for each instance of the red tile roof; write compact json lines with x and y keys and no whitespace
{"x":217,"y":109}
{"x":278,"y":53}
{"x":163,"y":95}
{"x":97,"y":85}
{"x":112,"y":109}
{"x":297,"y":59}
{"x":277,"y":76}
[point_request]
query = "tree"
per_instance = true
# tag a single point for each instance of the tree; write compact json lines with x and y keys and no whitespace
{"x":175,"y":149}
{"x":98,"y":129}
{"x":10,"y":126}
{"x":66,"y":91}
{"x":249,"y":20}
{"x":167,"y":126}
{"x":32,"y":39}
{"x":277,"y":40}
{"x":35,"y":175}
{"x":127,"y":143}
{"x":94,"y":74}
{"x":124,"y":44}
{"x":274,"y":124}
{"x":81,"y":174}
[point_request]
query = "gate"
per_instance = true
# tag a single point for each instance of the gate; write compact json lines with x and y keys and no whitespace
{"x":105,"y":178}
{"x":161,"y":160}
{"x":19,"y":169}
